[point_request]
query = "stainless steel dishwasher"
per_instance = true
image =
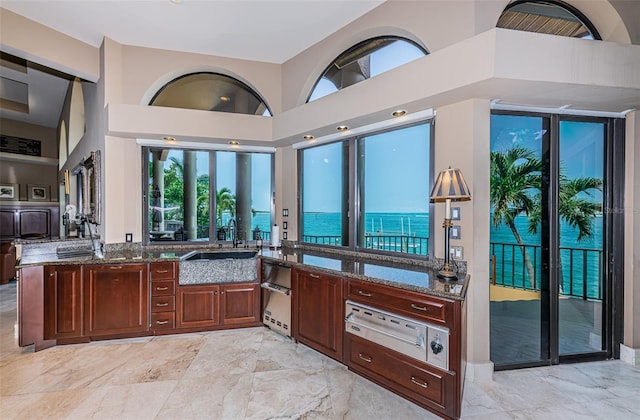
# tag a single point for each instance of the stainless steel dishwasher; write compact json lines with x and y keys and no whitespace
{"x":276,"y":297}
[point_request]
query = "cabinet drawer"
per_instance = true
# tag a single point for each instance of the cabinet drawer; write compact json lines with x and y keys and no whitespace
{"x":163,"y":270}
{"x":403,"y":302}
{"x":163,"y":303}
{"x":163,"y":288}
{"x":163,"y":320}
{"x":387,"y":366}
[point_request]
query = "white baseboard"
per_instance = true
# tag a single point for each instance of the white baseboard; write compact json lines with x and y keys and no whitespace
{"x":630,"y":355}
{"x":479,"y":372}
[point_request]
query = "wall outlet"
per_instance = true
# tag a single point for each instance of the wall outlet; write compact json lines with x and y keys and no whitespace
{"x":128,"y":237}
{"x":456,"y":252}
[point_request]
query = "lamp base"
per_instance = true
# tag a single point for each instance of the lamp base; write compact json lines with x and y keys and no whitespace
{"x":447,"y":275}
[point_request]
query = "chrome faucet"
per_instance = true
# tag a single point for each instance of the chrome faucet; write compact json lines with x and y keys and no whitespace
{"x":234,"y":236}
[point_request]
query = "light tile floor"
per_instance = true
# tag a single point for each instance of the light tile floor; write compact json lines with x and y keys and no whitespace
{"x":257,"y":374}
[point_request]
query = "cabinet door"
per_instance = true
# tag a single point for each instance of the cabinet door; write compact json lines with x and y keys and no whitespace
{"x":7,"y":223}
{"x":62,"y":302}
{"x":240,"y":303}
{"x":198,"y":306}
{"x":117,"y":297}
{"x":34,"y":223}
{"x":318,"y":313}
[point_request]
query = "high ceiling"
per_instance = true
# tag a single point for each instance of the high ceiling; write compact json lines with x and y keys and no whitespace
{"x":260,"y":30}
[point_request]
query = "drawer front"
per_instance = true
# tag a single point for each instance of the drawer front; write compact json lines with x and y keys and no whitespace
{"x":163,"y":303}
{"x":163,"y":320}
{"x":163,"y":270}
{"x":403,"y":302}
{"x":408,"y":378}
{"x":163,"y":288}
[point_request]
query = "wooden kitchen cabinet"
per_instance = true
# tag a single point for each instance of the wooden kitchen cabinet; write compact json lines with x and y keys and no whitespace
{"x":63,"y":309}
{"x":29,"y":222}
{"x":212,"y":305}
{"x":116,"y":299}
{"x":240,"y":303}
{"x":198,"y":306}
{"x":164,"y":277}
{"x":318,"y":312}
{"x":431,"y":387}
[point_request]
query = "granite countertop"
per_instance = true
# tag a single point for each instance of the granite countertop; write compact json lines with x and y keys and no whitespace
{"x":409,"y":274}
{"x":417,"y":275}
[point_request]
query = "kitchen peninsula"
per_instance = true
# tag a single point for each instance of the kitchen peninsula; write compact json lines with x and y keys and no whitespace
{"x":137,"y":291}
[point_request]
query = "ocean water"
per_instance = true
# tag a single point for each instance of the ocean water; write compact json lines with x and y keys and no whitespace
{"x":577,"y":258}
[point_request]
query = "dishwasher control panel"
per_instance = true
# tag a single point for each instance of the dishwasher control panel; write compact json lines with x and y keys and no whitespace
{"x":420,"y":340}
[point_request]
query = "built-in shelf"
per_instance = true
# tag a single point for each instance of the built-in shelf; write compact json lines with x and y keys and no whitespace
{"x":37,"y":160}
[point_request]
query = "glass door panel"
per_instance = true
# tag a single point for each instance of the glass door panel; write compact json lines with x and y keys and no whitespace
{"x":581,"y":225}
{"x":519,"y":319}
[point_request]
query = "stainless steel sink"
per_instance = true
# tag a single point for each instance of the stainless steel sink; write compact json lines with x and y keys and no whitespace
{"x":218,"y":255}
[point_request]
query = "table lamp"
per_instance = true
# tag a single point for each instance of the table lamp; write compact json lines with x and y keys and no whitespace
{"x":449,"y":186}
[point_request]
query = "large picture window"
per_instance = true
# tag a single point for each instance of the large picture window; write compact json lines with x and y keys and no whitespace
{"x":369,"y":192}
{"x":208,"y":196}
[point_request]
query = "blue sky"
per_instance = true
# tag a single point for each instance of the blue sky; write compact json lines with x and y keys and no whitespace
{"x":581,"y":143}
{"x":390,"y":160}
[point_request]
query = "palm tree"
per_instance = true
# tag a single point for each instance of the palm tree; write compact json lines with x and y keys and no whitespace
{"x":225,"y":201}
{"x":516,"y":182}
{"x":514,"y":175}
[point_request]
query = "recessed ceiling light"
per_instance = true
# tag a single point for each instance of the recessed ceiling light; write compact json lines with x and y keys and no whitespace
{"x":234,"y":143}
{"x":176,"y":1}
{"x":342,"y":128}
{"x":225,"y":98}
{"x":308,"y":137}
{"x":399,"y":113}
{"x":169,"y":138}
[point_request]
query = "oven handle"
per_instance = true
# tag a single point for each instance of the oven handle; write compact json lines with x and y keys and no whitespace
{"x":275,"y":288}
{"x":349,"y":320}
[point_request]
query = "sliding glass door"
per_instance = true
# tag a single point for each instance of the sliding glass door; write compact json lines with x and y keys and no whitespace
{"x":550,"y":297}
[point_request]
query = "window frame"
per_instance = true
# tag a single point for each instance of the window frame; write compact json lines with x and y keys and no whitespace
{"x":354,"y":48}
{"x":351,"y":194}
{"x":212,"y":240}
{"x":558,"y":3}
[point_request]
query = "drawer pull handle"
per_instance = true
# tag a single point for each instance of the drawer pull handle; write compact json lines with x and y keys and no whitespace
{"x":162,"y":322}
{"x":314,"y":276}
{"x":365,"y":294}
{"x":115,"y":267}
{"x":162,"y":271}
{"x":162,"y":304}
{"x":419,"y":308}
{"x":365,"y":358}
{"x":162,"y":288}
{"x":419,"y":383}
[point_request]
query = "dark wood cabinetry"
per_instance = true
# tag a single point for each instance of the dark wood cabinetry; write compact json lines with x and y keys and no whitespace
{"x":164,"y":277}
{"x":63,"y":317}
{"x":424,"y":384}
{"x":428,"y":386}
{"x":29,"y":222}
{"x":198,"y":306}
{"x":116,"y":299}
{"x":240,"y":303}
{"x":318,"y":317}
{"x":211,"y":305}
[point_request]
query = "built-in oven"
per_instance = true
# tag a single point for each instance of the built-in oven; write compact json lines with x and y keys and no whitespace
{"x":276,"y":297}
{"x":420,"y":340}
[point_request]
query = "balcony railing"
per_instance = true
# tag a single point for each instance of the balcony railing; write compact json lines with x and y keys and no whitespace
{"x":418,"y":245}
{"x":580,"y":274}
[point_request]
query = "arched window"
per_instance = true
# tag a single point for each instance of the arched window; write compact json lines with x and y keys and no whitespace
{"x":364,"y":60}
{"x":210,"y":92}
{"x":547,"y":17}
